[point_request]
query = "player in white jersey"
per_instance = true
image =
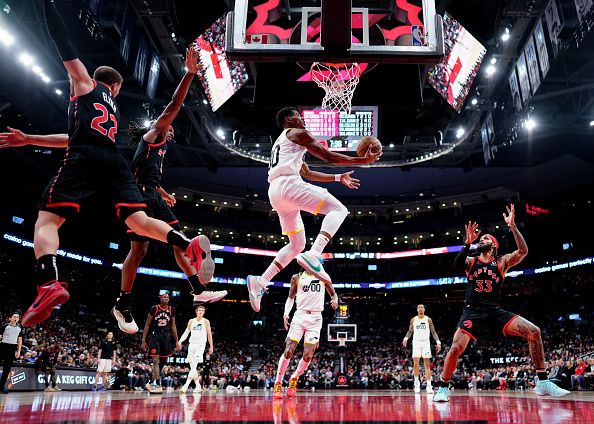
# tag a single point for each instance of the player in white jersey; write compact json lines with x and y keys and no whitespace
{"x":308,"y":292}
{"x":199,"y":331}
{"x":419,"y":328}
{"x":289,"y":195}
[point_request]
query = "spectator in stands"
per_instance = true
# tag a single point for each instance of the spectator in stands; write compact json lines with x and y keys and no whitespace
{"x":578,"y":378}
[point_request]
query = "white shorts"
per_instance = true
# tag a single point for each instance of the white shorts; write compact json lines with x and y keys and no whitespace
{"x":308,"y":325}
{"x":289,"y":195}
{"x":104,"y":365}
{"x":196,"y":351}
{"x":421,"y":349}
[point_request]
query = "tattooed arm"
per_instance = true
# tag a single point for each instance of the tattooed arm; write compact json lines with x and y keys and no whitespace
{"x":409,"y":333}
{"x":434,"y":334}
{"x":514,"y":258}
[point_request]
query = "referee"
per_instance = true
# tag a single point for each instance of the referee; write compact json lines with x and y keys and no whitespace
{"x":10,"y":347}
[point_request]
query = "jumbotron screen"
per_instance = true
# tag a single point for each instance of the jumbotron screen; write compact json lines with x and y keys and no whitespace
{"x":341,"y":131}
{"x":453,"y":76}
{"x":222,"y":77}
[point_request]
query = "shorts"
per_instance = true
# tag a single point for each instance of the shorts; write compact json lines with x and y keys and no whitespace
{"x":306,"y":326}
{"x":160,"y":344}
{"x":421,"y":349}
{"x":155,"y":208}
{"x":289,"y":195}
{"x":86,"y":171}
{"x":477,"y":320}
{"x":104,"y":365}
{"x":196,"y":351}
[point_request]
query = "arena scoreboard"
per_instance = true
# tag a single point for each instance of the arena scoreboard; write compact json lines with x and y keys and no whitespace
{"x":341,"y":131}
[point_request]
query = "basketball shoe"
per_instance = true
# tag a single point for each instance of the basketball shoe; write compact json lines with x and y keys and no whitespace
{"x":122,"y":312}
{"x":547,"y":387}
{"x":292,"y":390}
{"x":198,"y":252}
{"x":256,"y":288}
{"x":417,"y":385}
{"x":429,"y":388}
{"x":442,"y":395}
{"x":312,"y":262}
{"x":278,"y":391}
{"x":153,"y":388}
{"x":48,"y":297}
{"x":208,"y":296}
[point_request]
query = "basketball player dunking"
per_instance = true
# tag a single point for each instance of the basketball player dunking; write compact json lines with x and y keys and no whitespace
{"x":147,"y":167}
{"x":199,"y":331}
{"x":91,"y":164}
{"x":308,"y":292}
{"x":289,"y":195}
{"x":419,"y":328}
{"x":163,"y":339}
{"x":486,"y":273}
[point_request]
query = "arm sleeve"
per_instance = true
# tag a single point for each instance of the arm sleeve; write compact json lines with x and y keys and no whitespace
{"x":460,"y":261}
{"x":57,"y":31}
{"x":289,"y":305}
{"x":184,"y":336}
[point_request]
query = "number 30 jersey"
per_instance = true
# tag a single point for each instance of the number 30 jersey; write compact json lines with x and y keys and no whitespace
{"x":286,"y":157}
{"x":93,"y":118}
{"x":310,"y":293}
{"x":485,"y":281}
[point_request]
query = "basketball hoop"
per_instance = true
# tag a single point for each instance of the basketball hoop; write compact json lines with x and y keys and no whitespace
{"x":342,"y":340}
{"x":339,"y":81}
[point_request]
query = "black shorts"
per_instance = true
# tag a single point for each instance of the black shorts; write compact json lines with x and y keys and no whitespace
{"x":160,"y":344}
{"x":475,"y":321}
{"x":155,"y":208}
{"x":86,"y":171}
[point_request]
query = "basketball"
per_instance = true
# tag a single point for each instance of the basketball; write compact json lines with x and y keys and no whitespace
{"x":364,"y":144}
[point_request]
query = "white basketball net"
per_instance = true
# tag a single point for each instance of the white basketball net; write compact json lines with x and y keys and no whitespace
{"x":339,"y":81}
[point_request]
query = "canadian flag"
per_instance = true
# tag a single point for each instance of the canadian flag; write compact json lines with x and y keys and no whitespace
{"x":256,"y":38}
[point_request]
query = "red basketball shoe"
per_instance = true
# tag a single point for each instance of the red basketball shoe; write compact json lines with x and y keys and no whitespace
{"x":48,"y":297}
{"x":198,"y":252}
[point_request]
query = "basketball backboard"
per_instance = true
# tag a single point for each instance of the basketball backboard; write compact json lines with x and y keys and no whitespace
{"x":337,"y":331}
{"x":395,"y":31}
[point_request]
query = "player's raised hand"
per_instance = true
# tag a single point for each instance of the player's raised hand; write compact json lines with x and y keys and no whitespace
{"x":348,"y":181}
{"x":286,"y":321}
{"x":192,"y":64}
{"x":471,"y":232}
{"x":13,"y":138}
{"x":511,"y":216}
{"x":372,"y":156}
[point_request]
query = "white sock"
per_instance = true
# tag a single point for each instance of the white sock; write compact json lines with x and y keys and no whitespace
{"x":283,"y":363}
{"x":271,"y":272}
{"x":301,"y":367}
{"x":320,"y":244}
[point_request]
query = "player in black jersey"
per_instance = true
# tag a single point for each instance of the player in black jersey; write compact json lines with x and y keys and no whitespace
{"x":147,"y":167}
{"x":91,"y":164}
{"x":163,"y":338}
{"x":485,"y":273}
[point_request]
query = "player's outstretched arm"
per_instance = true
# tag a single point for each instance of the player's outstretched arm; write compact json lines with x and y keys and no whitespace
{"x":472,"y":232}
{"x":81,"y":81}
{"x":514,"y":258}
{"x":304,"y":138}
{"x":409,"y":333}
{"x":434,"y":334}
{"x":163,"y":122}
{"x":333,"y":295}
{"x":17,"y":138}
{"x":322,"y":177}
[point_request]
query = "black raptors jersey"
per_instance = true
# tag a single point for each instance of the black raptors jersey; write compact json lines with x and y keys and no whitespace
{"x":162,"y":318}
{"x":147,"y":165}
{"x":485,"y":281}
{"x":93,"y":118}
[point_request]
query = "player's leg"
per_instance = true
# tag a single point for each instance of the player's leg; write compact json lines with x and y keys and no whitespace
{"x":197,"y":289}
{"x":416,"y":366}
{"x":521,"y":327}
{"x":427,"y":364}
{"x":50,"y":291}
{"x":459,"y":344}
{"x":335,"y":213}
{"x":292,"y":227}
{"x":308,"y":352}
{"x":283,"y":363}
{"x":199,"y":360}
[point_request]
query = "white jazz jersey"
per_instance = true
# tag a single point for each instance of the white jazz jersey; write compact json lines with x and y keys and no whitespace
{"x":421,"y":329}
{"x":310,"y":293}
{"x":286,"y":158}
{"x":197,"y":331}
